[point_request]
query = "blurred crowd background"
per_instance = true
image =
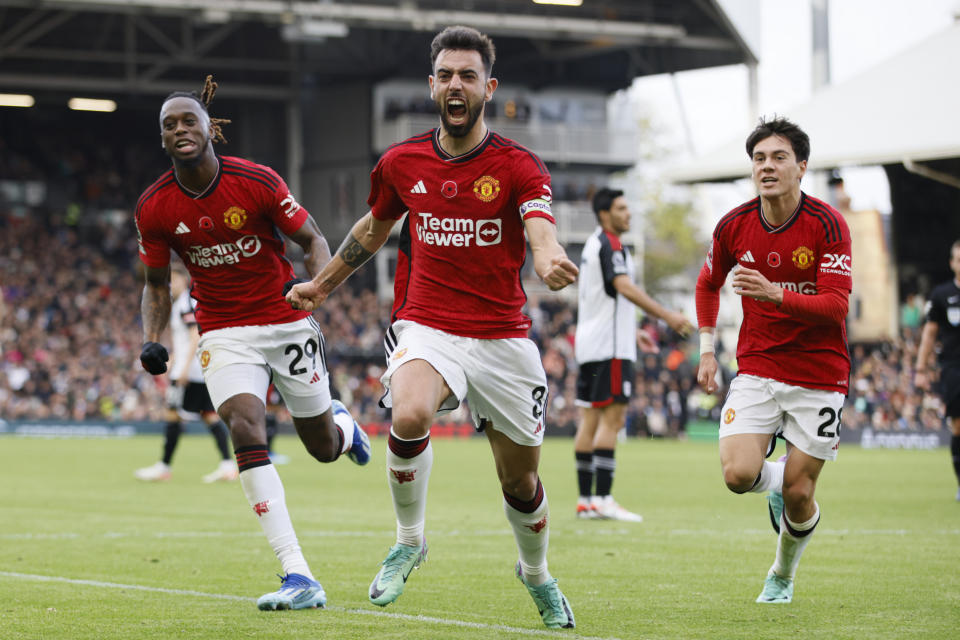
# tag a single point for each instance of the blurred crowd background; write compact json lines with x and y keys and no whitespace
{"x":70,"y":336}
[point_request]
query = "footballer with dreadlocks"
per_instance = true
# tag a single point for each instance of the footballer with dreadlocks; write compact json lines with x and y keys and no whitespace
{"x":224,"y":217}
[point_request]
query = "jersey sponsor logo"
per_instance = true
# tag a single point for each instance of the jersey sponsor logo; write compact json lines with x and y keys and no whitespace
{"x":950,"y":300}
{"x":805,"y":288}
{"x":399,"y":354}
{"x":182,"y":228}
{"x":729,"y":415}
{"x":204,"y":358}
{"x":953,"y":315}
{"x":458,"y":232}
{"x":448,"y":189}
{"x":206,"y":223}
{"x":225,"y":253}
{"x":289,"y":206}
{"x":773,"y":259}
{"x":838,"y":263}
{"x":535,"y":205}
{"x":235,"y":218}
{"x":486,"y":188}
{"x":710,"y":258}
{"x":747,"y":257}
{"x":315,"y":378}
{"x":418,"y":188}
{"x":803,"y":257}
{"x":548,"y":196}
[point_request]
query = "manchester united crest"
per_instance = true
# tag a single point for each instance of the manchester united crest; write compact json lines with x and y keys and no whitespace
{"x":487,"y":188}
{"x":235,"y":218}
{"x":729,"y":415}
{"x":204,"y":358}
{"x":803,"y":257}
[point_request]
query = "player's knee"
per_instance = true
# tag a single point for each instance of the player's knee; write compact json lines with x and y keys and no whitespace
{"x":522,"y":486}
{"x":412,"y":422}
{"x":739,"y":479}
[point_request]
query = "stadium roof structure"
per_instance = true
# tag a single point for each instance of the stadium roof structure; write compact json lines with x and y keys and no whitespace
{"x":901,"y":111}
{"x":268,"y":49}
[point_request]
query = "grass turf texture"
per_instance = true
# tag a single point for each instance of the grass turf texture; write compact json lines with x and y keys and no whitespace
{"x":883,"y":563}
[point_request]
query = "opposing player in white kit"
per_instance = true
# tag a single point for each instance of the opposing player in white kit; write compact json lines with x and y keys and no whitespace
{"x":605,"y":347}
{"x":187,"y":397}
{"x":224,"y":217}
{"x":458,"y":328}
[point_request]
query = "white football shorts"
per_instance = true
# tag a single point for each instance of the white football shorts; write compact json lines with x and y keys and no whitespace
{"x":239,"y":360}
{"x":502,"y":379}
{"x":809,"y":418}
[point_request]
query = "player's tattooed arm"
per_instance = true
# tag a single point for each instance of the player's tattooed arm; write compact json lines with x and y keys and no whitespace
{"x":353,"y":253}
{"x":155,"y":303}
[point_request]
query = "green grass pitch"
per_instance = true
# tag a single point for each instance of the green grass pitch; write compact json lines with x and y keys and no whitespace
{"x":88,"y":552}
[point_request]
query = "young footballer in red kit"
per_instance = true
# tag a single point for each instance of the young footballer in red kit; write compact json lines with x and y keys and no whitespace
{"x":791,"y":260}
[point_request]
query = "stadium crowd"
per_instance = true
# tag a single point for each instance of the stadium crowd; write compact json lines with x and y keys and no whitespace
{"x":70,"y":339}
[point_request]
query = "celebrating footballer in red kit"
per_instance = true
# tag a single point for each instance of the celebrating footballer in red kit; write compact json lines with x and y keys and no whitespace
{"x":790,"y":255}
{"x":224,"y":217}
{"x":467,"y":197}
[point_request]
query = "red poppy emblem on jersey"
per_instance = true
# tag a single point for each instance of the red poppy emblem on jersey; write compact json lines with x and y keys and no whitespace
{"x":803,"y":258}
{"x":773,"y":259}
{"x":235,"y":217}
{"x":486,"y":188}
{"x":206,"y":223}
{"x":204,"y":358}
{"x":449,"y":189}
{"x":729,"y":416}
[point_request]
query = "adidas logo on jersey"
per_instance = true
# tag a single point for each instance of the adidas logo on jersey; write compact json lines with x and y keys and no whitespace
{"x":418,"y":188}
{"x":182,"y":228}
{"x":747,"y":257}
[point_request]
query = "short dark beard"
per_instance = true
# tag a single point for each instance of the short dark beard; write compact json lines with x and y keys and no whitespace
{"x":462,"y":130}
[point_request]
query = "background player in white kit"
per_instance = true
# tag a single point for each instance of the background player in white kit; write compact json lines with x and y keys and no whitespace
{"x":791,"y":260}
{"x":606,"y":350}
{"x":187,"y":397}
{"x":458,"y":327}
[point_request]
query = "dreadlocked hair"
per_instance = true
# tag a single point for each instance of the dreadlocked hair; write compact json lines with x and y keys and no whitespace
{"x":204,"y":98}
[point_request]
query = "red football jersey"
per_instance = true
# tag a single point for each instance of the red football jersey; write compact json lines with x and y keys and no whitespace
{"x":227,"y":238}
{"x":811,"y":249}
{"x":462,"y":243}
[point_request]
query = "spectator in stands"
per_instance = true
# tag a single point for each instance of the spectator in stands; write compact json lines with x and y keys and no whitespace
{"x":606,"y":350}
{"x":943,"y":323}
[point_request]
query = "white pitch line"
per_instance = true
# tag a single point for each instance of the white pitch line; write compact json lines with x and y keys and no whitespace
{"x":383,"y":614}
{"x":586,"y":531}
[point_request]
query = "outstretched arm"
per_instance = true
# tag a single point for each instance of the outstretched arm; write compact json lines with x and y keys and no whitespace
{"x":928,"y":338}
{"x":365,"y":239}
{"x":629,"y":290}
{"x":550,"y":260}
{"x":155,"y":302}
